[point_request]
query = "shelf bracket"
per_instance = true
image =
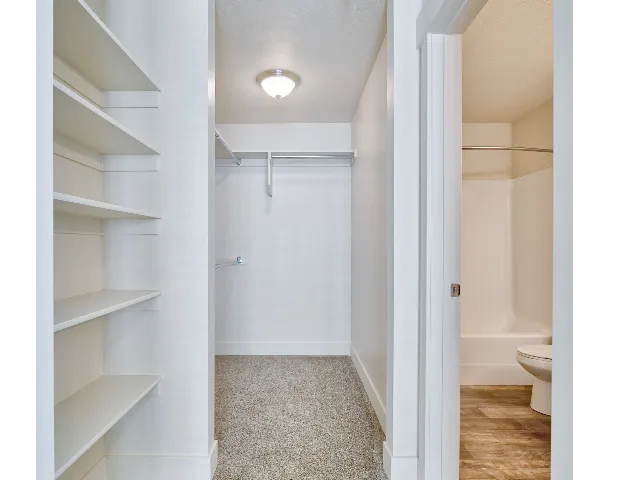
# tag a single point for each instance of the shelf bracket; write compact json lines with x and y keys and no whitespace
{"x":269,"y":175}
{"x":226,"y":147}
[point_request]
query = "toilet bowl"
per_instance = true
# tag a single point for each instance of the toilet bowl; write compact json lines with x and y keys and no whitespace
{"x":536,"y":359}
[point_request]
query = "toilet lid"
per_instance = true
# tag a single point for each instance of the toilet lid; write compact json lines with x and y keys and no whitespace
{"x":538,"y":351}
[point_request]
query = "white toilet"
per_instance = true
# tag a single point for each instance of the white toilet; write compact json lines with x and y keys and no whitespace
{"x":536,"y":359}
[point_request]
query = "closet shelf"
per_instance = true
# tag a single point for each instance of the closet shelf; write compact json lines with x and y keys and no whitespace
{"x":84,"y":417}
{"x":92,"y":208}
{"x":78,"y":119}
{"x":300,"y":158}
{"x":72,"y":311}
{"x":83,"y":41}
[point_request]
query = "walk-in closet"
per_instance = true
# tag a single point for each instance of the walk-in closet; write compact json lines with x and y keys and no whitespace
{"x":299,"y":239}
{"x":221,"y":241}
{"x":300,"y":208}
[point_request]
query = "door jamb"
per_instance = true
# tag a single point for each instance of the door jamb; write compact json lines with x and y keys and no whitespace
{"x":438,"y":39}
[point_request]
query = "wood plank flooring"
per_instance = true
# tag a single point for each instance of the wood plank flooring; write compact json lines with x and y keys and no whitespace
{"x":501,"y":437}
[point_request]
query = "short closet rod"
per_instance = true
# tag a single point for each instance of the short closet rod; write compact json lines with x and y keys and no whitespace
{"x":518,"y":149}
{"x":237,"y":261}
{"x":351,"y":158}
{"x":226,"y":147}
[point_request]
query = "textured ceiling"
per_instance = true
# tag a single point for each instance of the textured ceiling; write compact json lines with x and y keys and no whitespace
{"x":507,"y":60}
{"x":331,"y":44}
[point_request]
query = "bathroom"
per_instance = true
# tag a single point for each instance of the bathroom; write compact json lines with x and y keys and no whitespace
{"x":506,"y":238}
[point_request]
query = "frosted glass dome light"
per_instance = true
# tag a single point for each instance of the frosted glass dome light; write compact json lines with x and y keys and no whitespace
{"x":278,"y":83}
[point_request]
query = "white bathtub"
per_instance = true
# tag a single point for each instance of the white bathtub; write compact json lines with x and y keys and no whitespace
{"x":490,"y":359}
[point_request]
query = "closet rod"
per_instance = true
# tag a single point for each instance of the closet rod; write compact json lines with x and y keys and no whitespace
{"x":351,"y":158}
{"x":226,"y":147}
{"x":237,"y":261}
{"x":519,"y":149}
{"x":343,"y":157}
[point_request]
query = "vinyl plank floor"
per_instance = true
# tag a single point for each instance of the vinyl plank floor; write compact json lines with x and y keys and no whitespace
{"x":501,"y":437}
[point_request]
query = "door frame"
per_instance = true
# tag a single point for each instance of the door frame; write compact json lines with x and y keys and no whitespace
{"x":438,"y":37}
{"x":439,"y":28}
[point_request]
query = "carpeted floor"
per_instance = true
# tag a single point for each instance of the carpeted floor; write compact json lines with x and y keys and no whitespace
{"x":291,"y":418}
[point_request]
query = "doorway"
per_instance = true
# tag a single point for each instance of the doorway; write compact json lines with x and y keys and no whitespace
{"x":445,"y":340}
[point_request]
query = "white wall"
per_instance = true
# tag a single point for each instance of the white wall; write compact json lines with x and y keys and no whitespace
{"x":562,"y":425}
{"x":369,"y":237}
{"x":292,"y":294}
{"x":486,"y":306}
{"x":532,"y":240}
{"x":403,"y":230}
{"x":534,"y":129}
{"x":287,"y":136}
{"x":211,"y":81}
{"x":44,"y":243}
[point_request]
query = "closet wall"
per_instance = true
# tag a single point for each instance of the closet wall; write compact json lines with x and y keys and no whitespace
{"x":292,"y":293}
{"x":369,"y":213}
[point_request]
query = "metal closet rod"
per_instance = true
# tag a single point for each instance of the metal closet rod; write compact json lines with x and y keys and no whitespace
{"x":344,"y":157}
{"x":519,"y":149}
{"x":351,"y":158}
{"x":237,"y":261}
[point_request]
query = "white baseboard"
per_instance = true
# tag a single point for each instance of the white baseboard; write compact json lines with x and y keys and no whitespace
{"x":161,"y":467}
{"x":213,"y":459}
{"x":399,"y":468}
{"x":494,"y":374}
{"x":282,"y":348}
{"x":372,"y":393}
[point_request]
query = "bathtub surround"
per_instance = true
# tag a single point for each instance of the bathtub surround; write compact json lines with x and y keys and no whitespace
{"x":506,"y":253}
{"x":532,"y":240}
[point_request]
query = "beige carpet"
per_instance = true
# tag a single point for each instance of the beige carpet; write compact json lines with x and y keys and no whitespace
{"x":294,"y":418}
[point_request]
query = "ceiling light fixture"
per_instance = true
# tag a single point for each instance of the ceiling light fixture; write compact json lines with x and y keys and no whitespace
{"x":278,"y":83}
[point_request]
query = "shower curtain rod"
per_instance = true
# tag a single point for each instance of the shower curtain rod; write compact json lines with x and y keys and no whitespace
{"x":519,"y":149}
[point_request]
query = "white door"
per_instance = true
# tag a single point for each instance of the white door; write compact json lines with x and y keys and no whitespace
{"x":440,"y":191}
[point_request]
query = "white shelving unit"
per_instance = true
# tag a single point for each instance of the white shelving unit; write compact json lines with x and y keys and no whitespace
{"x":73,"y":311}
{"x":84,"y":42}
{"x":78,"y":119}
{"x":90,"y":399}
{"x":129,"y":241}
{"x":92,"y":208}
{"x":84,"y":417}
